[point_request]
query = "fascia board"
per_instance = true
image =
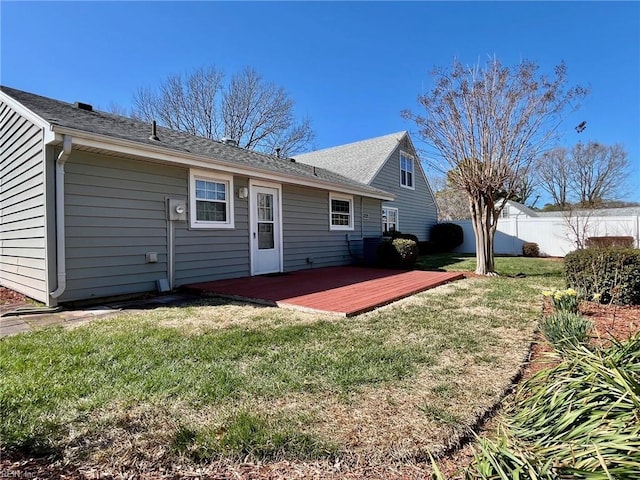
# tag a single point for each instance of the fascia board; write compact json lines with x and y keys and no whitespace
{"x":31,"y":116}
{"x":128,"y":147}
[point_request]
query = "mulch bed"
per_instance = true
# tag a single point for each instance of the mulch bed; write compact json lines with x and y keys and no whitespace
{"x":9,"y":297}
{"x":610,"y":321}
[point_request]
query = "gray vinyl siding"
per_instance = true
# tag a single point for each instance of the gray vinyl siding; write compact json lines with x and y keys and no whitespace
{"x":22,"y":206}
{"x":416,"y":207}
{"x":306,"y":232}
{"x":212,"y":254}
{"x":372,"y":225}
{"x":115,"y":214}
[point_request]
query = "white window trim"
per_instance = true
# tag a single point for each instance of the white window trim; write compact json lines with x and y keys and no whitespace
{"x":347,"y":198}
{"x":210,"y":177}
{"x":397,"y":217}
{"x":413,"y":174}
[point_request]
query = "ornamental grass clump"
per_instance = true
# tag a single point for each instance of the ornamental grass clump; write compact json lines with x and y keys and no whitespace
{"x":580,"y":419}
{"x":566,"y":329}
{"x":563,"y":300}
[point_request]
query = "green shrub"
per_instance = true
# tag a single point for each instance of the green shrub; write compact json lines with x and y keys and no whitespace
{"x":576,"y":420}
{"x":397,"y":253}
{"x":446,"y":236}
{"x":530,"y":249}
{"x":565,"y":329}
{"x":604,"y":242}
{"x":608,"y":274}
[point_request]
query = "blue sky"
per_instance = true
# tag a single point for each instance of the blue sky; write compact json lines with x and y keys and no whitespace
{"x":350,"y":66}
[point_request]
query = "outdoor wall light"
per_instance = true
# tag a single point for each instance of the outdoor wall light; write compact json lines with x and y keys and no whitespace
{"x":243,"y":192}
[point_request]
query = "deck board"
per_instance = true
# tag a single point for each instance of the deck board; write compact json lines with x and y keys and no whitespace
{"x":344,"y":290}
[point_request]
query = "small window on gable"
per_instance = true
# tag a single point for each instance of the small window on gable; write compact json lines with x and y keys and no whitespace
{"x":389,"y":219}
{"x":340,"y":212}
{"x":406,"y":170}
{"x":210,"y":200}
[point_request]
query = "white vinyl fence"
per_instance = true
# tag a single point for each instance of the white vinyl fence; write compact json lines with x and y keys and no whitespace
{"x":554,"y":235}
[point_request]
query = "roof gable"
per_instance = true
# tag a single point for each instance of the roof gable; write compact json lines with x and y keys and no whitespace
{"x":360,"y":161}
{"x":61,"y":116}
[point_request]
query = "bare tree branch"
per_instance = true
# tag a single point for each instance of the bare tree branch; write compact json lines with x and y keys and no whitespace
{"x":257,"y":114}
{"x":553,"y":170}
{"x":589,"y":175}
{"x":600,"y":172}
{"x":487,"y":126}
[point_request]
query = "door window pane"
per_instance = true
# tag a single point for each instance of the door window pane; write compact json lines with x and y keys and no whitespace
{"x":265,"y":207}
{"x":265,"y":236}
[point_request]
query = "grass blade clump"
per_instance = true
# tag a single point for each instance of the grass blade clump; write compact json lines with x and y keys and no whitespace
{"x":580,"y":419}
{"x":565,"y":330}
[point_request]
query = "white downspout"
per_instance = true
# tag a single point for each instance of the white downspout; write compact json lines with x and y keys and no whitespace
{"x":60,"y":234}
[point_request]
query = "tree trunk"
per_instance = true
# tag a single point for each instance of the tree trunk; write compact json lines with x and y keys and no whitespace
{"x":484,"y":229}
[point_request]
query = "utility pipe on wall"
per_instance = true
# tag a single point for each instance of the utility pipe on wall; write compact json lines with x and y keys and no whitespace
{"x":67,"y":142}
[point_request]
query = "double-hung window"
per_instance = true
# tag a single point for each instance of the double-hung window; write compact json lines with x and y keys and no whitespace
{"x":340,"y":212}
{"x":406,"y":170}
{"x":389,"y":219}
{"x":210,"y":200}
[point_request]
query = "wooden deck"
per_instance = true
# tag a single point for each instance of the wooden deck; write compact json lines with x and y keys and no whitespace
{"x":345,"y":290}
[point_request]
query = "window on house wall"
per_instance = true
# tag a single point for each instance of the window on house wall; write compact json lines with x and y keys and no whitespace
{"x":389,"y":219}
{"x":406,"y":170}
{"x":210,"y":200}
{"x":340,"y":212}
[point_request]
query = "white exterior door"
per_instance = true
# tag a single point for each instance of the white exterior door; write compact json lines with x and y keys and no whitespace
{"x":265,"y":231}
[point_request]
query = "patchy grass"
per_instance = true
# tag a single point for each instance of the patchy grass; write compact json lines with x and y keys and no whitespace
{"x":219,"y":380}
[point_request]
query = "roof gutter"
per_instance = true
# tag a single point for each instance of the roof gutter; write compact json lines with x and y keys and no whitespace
{"x":129,"y":147}
{"x":67,"y":143}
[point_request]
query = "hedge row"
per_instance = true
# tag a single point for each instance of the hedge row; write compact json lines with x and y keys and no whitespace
{"x":610,"y":275}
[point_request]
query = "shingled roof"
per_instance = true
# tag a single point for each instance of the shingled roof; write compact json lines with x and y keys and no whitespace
{"x":106,"y":125}
{"x":359,"y":161}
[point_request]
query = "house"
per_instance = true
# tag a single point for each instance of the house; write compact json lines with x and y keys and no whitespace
{"x":513,"y":209}
{"x":389,"y":163}
{"x":97,"y":205}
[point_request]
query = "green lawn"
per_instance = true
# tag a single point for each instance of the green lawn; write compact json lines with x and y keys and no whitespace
{"x":221,"y":380}
{"x":461,"y":262}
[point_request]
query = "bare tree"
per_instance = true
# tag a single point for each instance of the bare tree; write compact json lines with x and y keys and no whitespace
{"x":525,"y":190}
{"x":487,"y":126}
{"x":587,"y":175}
{"x":600,"y":172}
{"x":116,"y":109}
{"x":578,"y":225}
{"x":260,"y":114}
{"x":553,"y":173}
{"x":256,"y":114}
{"x":188,"y":104}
